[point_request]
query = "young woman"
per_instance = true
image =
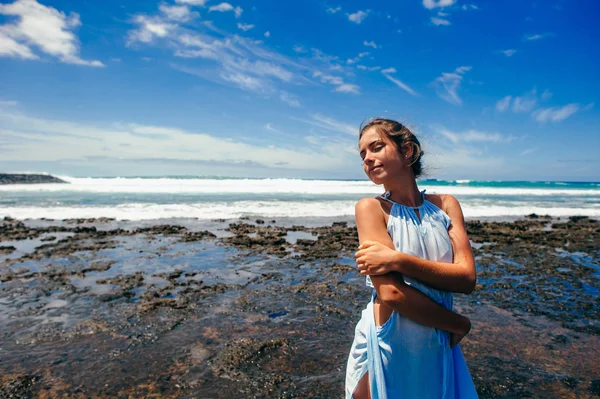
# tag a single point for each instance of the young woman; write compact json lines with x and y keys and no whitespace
{"x":415,"y":252}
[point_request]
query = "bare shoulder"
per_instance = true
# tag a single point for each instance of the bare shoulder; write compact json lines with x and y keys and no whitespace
{"x":449,"y":202}
{"x":436,"y":199}
{"x":368,"y":205}
{"x":445,"y":202}
{"x":372,"y":207}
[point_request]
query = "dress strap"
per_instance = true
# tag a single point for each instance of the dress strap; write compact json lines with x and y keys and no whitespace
{"x":386,"y":197}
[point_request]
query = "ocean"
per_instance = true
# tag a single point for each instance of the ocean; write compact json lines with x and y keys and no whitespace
{"x":152,"y":198}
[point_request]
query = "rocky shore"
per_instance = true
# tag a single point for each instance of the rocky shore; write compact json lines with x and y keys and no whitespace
{"x":27,"y":178}
{"x":261,"y":309}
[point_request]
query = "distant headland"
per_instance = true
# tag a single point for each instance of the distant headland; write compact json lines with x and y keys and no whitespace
{"x":28,"y":178}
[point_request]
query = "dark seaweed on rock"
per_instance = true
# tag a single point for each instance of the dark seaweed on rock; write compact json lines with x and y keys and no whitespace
{"x":26,"y":178}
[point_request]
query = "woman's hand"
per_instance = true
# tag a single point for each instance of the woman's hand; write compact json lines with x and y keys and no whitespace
{"x":457,"y":336}
{"x":374,"y":258}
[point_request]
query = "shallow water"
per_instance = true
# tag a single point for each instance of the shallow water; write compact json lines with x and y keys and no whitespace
{"x":155,"y":315}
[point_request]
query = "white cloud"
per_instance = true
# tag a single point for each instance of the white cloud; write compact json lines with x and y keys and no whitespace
{"x":453,"y":153}
{"x":366,"y":68}
{"x":267,"y":34}
{"x":324,"y":122}
{"x":431,"y":4}
{"x":7,"y":103}
{"x":177,"y":13}
{"x":555,"y":114}
{"x":245,"y":27}
{"x":442,"y":14}
{"x":333,"y":10}
{"x":133,"y":141}
{"x":299,"y":49}
{"x":546,"y":95}
{"x":148,"y":29}
{"x":509,"y":52}
{"x":240,"y":61}
{"x":265,"y":68}
{"x":358,"y":16}
{"x":348,"y":88}
{"x":354,"y":60}
{"x":338,"y":81}
{"x":525,"y":103}
{"x":397,"y":82}
{"x":289,"y":99}
{"x":10,"y":48}
{"x":270,"y":127}
{"x":469,"y":7}
{"x":334,"y":80}
{"x":474,"y":136}
{"x":45,"y":28}
{"x":538,"y":36}
{"x":448,"y":84}
{"x":503,"y":104}
{"x":192,"y":2}
{"x":224,"y":7}
{"x":533,"y":37}
{"x":528,"y":151}
{"x":439,"y":21}
{"x":370,"y":44}
{"x":321,"y":56}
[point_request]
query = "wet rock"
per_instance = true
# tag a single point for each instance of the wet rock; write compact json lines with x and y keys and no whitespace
{"x":17,"y":387}
{"x":197,"y":236}
{"x":199,"y":353}
{"x":128,"y":282}
{"x":98,"y":267}
{"x":17,"y":178}
{"x":193,"y":336}
{"x":249,"y":363}
{"x":341,"y":268}
{"x":4,"y":250}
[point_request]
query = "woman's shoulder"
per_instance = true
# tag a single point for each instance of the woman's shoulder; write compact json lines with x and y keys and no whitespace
{"x":372,"y":205}
{"x":443,"y":201}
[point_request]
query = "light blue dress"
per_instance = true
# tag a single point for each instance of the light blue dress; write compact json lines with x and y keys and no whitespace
{"x":406,"y":359}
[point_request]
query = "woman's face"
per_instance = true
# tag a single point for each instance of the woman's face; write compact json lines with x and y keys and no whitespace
{"x":381,"y":159}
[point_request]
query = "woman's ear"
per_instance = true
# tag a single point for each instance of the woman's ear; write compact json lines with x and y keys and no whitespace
{"x":408,"y":151}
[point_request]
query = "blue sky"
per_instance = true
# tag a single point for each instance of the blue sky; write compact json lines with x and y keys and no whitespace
{"x":495,"y":90}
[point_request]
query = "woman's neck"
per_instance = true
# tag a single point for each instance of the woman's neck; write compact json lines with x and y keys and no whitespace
{"x":404,"y":191}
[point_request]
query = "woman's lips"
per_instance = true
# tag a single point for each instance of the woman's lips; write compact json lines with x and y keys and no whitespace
{"x":376,"y":168}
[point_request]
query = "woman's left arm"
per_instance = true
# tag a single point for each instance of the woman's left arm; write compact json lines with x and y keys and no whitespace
{"x":458,"y":276}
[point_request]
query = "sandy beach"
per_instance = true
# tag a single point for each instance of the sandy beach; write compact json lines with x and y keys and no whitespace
{"x":267,"y":308}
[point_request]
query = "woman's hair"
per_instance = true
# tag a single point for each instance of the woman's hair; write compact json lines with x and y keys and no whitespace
{"x":401,"y":136}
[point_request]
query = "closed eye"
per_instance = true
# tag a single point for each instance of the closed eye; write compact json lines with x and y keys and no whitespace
{"x":376,"y":145}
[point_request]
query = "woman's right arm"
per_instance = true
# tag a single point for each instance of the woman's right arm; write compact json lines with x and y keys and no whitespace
{"x":391,"y":288}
